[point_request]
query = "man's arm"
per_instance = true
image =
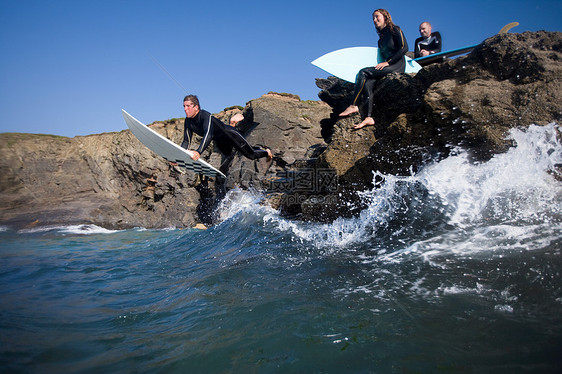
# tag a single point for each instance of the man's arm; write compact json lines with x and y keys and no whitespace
{"x":417,"y":49}
{"x":187,"y":133}
{"x":436,"y":43}
{"x":208,"y":129}
{"x":437,"y":36}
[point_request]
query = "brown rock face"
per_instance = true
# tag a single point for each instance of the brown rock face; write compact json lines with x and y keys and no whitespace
{"x":112,"y":180}
{"x":109,"y":179}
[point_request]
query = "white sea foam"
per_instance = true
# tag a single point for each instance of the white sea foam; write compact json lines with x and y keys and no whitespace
{"x":513,"y":186}
{"x":494,"y":204}
{"x":72,"y":230}
{"x":501,"y":203}
{"x":238,"y":202}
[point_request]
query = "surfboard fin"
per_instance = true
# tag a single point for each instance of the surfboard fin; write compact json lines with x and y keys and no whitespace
{"x":509,"y":26}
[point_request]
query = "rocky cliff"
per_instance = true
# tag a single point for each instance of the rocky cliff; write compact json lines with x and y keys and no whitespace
{"x":112,"y":180}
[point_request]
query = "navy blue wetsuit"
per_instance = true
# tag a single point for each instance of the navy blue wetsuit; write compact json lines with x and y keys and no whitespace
{"x":431,"y":44}
{"x":392,"y":46}
{"x":226,"y":137}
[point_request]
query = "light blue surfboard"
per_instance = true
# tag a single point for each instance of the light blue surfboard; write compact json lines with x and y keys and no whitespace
{"x":346,"y":63}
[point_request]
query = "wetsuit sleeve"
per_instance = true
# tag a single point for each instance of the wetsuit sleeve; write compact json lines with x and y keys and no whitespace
{"x":417,"y":49}
{"x":401,"y":46}
{"x":187,"y":134}
{"x":208,"y":128}
{"x":438,"y":42}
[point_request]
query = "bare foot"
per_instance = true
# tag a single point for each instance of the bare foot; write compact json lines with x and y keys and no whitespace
{"x":350,"y":110}
{"x":269,"y":154}
{"x":369,"y":121}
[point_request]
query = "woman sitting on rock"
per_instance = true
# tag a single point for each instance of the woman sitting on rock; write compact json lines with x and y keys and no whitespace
{"x":392,"y":46}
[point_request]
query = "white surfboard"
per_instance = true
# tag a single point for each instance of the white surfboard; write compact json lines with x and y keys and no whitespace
{"x":346,"y":63}
{"x":166,"y":148}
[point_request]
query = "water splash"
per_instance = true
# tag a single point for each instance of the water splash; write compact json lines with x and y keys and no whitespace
{"x":482,"y":200}
{"x":514,"y":186}
{"x":242,"y":204}
{"x":510,"y":204}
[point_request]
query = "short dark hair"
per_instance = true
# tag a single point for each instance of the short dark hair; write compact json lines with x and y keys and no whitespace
{"x":194,"y":100}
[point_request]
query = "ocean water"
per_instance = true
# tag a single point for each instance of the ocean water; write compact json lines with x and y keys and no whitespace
{"x":456,"y":269}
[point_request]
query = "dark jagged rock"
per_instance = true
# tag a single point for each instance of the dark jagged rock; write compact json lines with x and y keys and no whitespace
{"x":510,"y":80}
{"x":291,"y":128}
{"x":320,"y":163}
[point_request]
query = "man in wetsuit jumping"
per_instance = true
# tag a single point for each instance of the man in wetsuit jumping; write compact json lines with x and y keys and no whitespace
{"x":210,"y":128}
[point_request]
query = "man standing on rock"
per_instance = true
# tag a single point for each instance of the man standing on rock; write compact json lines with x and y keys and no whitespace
{"x":210,"y":128}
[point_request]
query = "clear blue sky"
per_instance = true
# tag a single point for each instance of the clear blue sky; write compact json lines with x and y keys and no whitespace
{"x":68,"y":67}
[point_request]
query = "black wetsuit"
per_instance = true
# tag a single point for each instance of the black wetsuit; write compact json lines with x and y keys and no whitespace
{"x":432,"y":44}
{"x":392,"y":46}
{"x":225,"y":137}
